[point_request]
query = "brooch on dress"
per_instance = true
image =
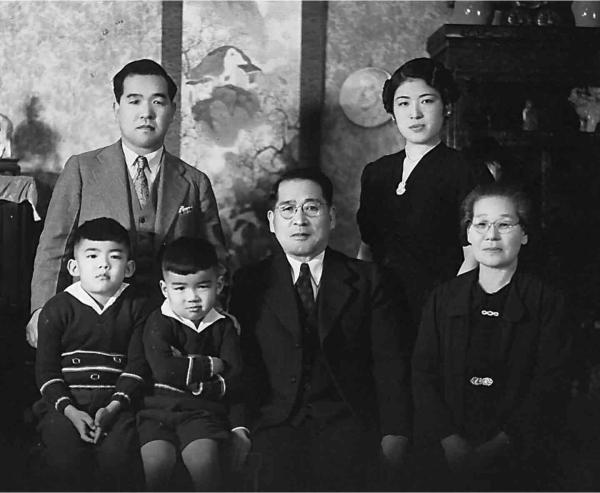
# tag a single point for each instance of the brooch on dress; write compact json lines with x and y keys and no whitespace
{"x":401,"y":188}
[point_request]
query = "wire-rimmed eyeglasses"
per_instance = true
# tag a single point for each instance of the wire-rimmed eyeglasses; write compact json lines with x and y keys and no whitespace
{"x":502,"y":226}
{"x":310,"y":208}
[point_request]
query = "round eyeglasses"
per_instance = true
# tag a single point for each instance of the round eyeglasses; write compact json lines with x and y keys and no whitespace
{"x":310,"y":208}
{"x":502,"y":226}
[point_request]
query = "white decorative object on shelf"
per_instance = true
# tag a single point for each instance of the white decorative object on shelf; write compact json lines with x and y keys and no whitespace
{"x":586,"y":101}
{"x":6,"y":129}
{"x":360,"y":97}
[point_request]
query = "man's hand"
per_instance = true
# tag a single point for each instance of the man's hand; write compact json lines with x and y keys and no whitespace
{"x":31,"y":331}
{"x":458,"y":452}
{"x":83,"y":423}
{"x":487,"y":452}
{"x":104,"y":419}
{"x":240,"y":444}
{"x":394,"y":449}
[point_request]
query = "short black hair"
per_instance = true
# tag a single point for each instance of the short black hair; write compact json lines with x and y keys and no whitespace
{"x":187,"y":255}
{"x":309,"y":173}
{"x":512,"y":192}
{"x":431,"y":71}
{"x":102,"y":229}
{"x":144,"y":66}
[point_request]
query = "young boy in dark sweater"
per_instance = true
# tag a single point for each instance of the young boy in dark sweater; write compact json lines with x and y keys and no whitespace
{"x":194,"y":355}
{"x":90,"y":363}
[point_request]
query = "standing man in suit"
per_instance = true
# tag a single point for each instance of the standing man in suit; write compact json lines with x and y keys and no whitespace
{"x":153,"y":194}
{"x":325,"y":375}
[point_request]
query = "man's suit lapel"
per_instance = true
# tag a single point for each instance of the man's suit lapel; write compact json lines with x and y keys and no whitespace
{"x":172,"y":192}
{"x":335,"y":291}
{"x":111,"y":178}
{"x":281,"y":296}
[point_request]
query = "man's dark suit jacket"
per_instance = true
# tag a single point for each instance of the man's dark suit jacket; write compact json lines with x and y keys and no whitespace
{"x":535,"y":344}
{"x":95,"y":184}
{"x":358,"y":333}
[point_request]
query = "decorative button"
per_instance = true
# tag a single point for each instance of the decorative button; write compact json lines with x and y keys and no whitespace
{"x":142,"y":220}
{"x":76,"y":361}
{"x":117,"y":359}
{"x":489,"y":313}
{"x":485,"y":381}
{"x":95,"y":376}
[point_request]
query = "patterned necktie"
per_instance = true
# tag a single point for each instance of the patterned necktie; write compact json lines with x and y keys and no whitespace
{"x":140,"y":182}
{"x":305,"y":290}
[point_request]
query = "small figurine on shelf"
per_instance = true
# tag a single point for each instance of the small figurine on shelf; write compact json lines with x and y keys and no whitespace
{"x":6,"y":129}
{"x":530,"y":118}
{"x":586,"y":101}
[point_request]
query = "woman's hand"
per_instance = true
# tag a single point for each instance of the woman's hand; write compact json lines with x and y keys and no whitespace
{"x":458,"y":452}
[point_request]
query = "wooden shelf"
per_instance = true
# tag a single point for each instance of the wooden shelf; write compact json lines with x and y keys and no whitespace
{"x":542,"y":55}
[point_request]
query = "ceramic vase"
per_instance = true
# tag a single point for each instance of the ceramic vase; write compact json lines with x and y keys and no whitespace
{"x":586,"y":14}
{"x":466,"y":12}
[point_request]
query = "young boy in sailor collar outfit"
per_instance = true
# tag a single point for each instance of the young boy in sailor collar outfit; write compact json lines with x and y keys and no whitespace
{"x":89,"y":365}
{"x":194,"y":355}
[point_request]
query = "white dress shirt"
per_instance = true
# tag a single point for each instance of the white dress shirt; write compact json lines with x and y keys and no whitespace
{"x":315,"y":265}
{"x":154,"y":159}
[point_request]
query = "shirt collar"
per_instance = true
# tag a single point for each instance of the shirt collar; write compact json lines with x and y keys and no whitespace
{"x":77,"y":291}
{"x":210,"y":318}
{"x":153,"y":158}
{"x":315,"y":264}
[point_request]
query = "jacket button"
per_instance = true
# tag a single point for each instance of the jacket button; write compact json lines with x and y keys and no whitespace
{"x":293,"y":380}
{"x":298,"y":345}
{"x":142,"y":220}
{"x":94,"y":376}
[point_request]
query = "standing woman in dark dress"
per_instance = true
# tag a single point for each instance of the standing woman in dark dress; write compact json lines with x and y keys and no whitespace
{"x":409,"y":202}
{"x":489,"y":366}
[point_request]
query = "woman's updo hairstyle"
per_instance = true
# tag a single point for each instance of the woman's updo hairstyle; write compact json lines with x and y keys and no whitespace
{"x":433,"y":73}
{"x":513,"y":193}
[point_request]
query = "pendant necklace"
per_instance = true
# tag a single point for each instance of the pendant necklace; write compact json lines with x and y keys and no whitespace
{"x":407,"y":168}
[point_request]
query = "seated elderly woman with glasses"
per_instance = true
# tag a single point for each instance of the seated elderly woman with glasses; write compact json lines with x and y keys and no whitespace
{"x":489,"y":376}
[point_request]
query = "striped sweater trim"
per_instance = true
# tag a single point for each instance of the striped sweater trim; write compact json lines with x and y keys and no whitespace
{"x":59,"y":400}
{"x":92,"y":368}
{"x":164,"y":386}
{"x":50,"y":382}
{"x":122,"y":394}
{"x":199,"y":390}
{"x":132,"y":375}
{"x":81,"y":351}
{"x":91,"y":386}
{"x":188,"y":376}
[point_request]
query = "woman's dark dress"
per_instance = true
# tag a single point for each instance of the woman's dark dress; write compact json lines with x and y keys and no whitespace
{"x":415,"y":236}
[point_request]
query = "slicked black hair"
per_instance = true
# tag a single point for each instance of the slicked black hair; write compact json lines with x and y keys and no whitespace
{"x":187,"y":255}
{"x":310,"y":173}
{"x":102,"y":229}
{"x":432,"y":72}
{"x":144,"y":66}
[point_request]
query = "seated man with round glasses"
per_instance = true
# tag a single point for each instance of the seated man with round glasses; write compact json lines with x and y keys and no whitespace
{"x":489,"y":376}
{"x":324,"y":367}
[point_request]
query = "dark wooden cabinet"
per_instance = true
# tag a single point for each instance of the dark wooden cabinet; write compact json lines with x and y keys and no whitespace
{"x":499,"y":69}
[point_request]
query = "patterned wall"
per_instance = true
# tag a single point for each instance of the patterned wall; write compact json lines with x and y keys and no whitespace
{"x":239,"y":125}
{"x":363,"y":34}
{"x":239,"y":108}
{"x":58,"y":59}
